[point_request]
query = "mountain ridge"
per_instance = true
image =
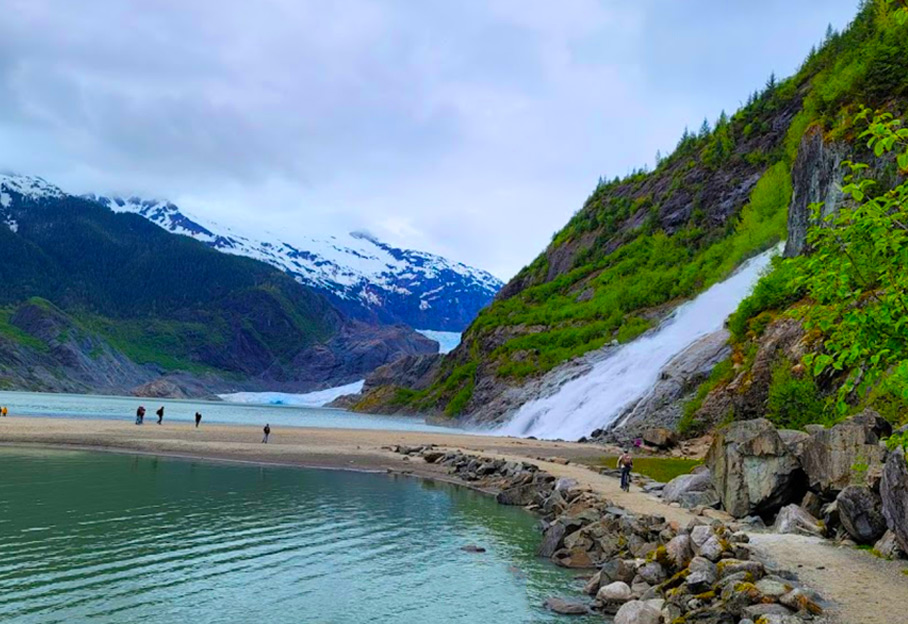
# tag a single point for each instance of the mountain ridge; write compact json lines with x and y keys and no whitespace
{"x":107,"y":301}
{"x":361,"y":275}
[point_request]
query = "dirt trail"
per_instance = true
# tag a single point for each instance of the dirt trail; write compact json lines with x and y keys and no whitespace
{"x":862,"y":589}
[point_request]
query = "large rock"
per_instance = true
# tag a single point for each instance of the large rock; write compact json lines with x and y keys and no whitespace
{"x":753,"y":470}
{"x":703,"y":573}
{"x":638,"y":612}
{"x":795,"y":519}
{"x":617,"y":592}
{"x":565,"y":607}
{"x":894,"y":492}
{"x":830,"y":455}
{"x":660,"y":437}
{"x":888,"y":546}
{"x":861,"y":513}
{"x":698,"y":482}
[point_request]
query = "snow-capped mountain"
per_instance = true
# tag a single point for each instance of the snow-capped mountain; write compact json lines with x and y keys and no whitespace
{"x":28,"y":187}
{"x":361,"y":275}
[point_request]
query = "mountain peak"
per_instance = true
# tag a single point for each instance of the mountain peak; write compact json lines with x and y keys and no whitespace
{"x":363,"y":276}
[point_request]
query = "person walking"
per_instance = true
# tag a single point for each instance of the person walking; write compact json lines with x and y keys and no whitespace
{"x":626,"y":464}
{"x":198,"y":419}
{"x":140,"y":415}
{"x":267,"y":431}
{"x":160,"y":414}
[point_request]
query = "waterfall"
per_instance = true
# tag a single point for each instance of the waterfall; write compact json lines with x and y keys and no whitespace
{"x":599,"y":397}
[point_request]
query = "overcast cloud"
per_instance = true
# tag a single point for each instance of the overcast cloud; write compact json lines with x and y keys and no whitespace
{"x":468,"y":128}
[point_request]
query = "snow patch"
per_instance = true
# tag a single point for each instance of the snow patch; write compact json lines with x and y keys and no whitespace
{"x":310,"y":399}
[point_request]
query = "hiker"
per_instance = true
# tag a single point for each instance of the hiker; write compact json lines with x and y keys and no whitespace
{"x":626,"y":464}
{"x":267,"y":431}
{"x":160,"y":414}
{"x":140,"y":415}
{"x":198,"y":419}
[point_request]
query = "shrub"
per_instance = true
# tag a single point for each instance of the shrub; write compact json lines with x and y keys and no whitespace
{"x":793,"y":402}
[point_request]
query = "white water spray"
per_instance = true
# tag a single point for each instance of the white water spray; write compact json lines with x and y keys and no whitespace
{"x":596,"y":399}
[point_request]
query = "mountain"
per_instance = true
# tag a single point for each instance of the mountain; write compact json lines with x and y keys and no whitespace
{"x":94,"y":300}
{"x":362,"y":276}
{"x":642,"y":244}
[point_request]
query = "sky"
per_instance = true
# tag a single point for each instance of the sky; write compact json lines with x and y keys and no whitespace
{"x":469,"y":128}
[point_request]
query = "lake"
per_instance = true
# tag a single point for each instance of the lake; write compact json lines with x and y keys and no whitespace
{"x":124,"y":408}
{"x":117,"y":538}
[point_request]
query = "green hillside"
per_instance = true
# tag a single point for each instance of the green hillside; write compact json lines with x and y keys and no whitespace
{"x":642,"y":243}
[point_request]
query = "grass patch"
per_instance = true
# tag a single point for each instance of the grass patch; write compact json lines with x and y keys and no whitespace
{"x":662,"y":469}
{"x":15,"y":334}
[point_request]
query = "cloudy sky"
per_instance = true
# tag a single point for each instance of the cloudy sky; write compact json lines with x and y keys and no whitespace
{"x":470,"y":128}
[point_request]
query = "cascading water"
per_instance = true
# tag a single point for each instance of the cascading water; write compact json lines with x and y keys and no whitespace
{"x":617,"y":382}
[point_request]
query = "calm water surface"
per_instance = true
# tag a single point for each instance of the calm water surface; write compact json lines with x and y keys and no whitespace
{"x":124,"y":408}
{"x":93,"y":537}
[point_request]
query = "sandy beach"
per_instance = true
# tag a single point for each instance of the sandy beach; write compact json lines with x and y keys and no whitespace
{"x":351,"y":449}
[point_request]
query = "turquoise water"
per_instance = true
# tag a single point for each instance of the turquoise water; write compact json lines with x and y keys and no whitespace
{"x":124,"y":408}
{"x":94,"y":537}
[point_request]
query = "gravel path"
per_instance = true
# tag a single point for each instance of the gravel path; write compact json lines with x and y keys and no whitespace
{"x":862,"y":588}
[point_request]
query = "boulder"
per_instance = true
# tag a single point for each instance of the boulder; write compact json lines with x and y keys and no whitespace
{"x":652,"y":573}
{"x":830,"y":455}
{"x":617,"y":592}
{"x":861,"y":513}
{"x":520,"y":495}
{"x":712,"y":549}
{"x":794,"y":440}
{"x":753,"y":470}
{"x":674,"y":489}
{"x":617,"y":570}
{"x":638,"y":612}
{"x":660,"y":437}
{"x":679,"y":551}
{"x":565,"y":607}
{"x":794,"y":519}
{"x":888,"y":546}
{"x":894,"y":492}
{"x":552,"y":540}
{"x":702,"y":574}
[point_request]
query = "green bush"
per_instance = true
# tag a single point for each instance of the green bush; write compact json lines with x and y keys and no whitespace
{"x":793,"y":402}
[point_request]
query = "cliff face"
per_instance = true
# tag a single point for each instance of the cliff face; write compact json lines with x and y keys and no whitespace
{"x":816,"y":178}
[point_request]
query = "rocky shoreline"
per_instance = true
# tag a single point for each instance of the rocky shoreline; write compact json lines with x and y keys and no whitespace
{"x":641,"y":569}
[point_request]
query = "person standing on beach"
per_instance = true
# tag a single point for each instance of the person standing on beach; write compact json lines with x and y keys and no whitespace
{"x":4,"y":412}
{"x":140,"y":415}
{"x":267,"y":431}
{"x":198,"y":419}
{"x":160,"y":414}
